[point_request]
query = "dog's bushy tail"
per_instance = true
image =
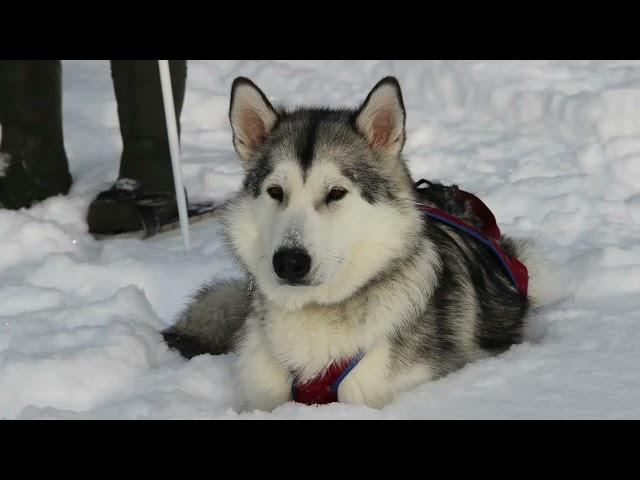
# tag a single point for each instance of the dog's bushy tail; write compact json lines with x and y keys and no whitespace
{"x":211,"y":321}
{"x":545,"y":283}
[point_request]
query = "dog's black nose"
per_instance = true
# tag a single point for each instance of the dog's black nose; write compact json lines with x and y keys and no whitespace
{"x":291,"y":264}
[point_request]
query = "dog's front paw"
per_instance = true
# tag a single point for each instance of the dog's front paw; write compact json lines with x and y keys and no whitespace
{"x":265,"y":388}
{"x":350,"y":391}
{"x":355,"y":390}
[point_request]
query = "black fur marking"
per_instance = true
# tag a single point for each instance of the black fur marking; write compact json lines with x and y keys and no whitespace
{"x":306,"y":124}
{"x":373,"y":185}
{"x":255,"y":176}
{"x":502,"y":306}
{"x":307,"y":136}
{"x":450,"y":285}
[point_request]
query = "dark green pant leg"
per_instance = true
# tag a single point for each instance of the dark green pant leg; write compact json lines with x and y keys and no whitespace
{"x":145,"y":155}
{"x":35,"y":163}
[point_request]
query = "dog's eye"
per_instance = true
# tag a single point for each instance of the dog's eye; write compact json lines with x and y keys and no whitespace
{"x":335,"y":194}
{"x":275,"y":192}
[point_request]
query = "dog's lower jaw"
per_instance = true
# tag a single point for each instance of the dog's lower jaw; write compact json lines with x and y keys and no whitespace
{"x":293,"y":300}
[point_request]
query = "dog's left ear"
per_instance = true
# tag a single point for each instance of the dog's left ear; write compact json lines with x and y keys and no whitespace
{"x":252,"y":118}
{"x":381,"y":118}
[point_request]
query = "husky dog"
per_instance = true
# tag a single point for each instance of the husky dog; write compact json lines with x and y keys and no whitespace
{"x":341,"y":264}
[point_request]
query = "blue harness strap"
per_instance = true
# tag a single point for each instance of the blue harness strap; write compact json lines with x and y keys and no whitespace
{"x":478,"y":236}
{"x":516,"y":270}
{"x":345,"y":372}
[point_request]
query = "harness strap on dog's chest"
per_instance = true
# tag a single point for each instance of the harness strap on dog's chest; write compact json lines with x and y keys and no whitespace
{"x":324,"y":388}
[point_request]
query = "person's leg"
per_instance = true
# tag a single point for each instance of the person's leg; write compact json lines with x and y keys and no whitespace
{"x":145,"y":165}
{"x":145,"y":155}
{"x":33,"y":162}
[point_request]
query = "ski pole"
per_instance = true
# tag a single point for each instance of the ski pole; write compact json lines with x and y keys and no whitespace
{"x":174,"y":147}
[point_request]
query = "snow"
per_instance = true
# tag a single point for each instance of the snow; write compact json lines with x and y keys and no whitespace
{"x":553,"y":147}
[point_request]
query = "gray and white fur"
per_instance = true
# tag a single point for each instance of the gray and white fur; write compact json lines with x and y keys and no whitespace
{"x":339,"y":261}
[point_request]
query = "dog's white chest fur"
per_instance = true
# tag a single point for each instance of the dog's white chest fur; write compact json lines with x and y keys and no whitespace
{"x":310,"y":339}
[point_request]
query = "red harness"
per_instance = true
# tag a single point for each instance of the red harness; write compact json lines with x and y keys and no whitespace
{"x":489,"y":235}
{"x":324,"y":388}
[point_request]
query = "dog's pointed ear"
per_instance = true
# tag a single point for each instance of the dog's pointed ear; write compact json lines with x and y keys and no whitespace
{"x":381,"y":118}
{"x":252,"y":117}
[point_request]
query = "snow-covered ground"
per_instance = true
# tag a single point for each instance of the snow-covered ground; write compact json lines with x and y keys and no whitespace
{"x":552,"y":147}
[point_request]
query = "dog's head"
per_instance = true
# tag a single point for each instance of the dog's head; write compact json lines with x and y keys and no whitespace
{"x":327,"y":201}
